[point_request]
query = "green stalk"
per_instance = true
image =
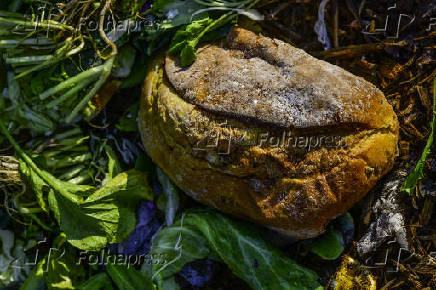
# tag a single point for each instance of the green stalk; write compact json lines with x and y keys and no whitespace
{"x":72,"y":172}
{"x":72,"y":142}
{"x":28,"y":60}
{"x":40,"y":223}
{"x":72,"y":81}
{"x":106,"y":71}
{"x":55,"y":163}
{"x":83,"y":177}
{"x":11,"y":43}
{"x":48,"y":178}
{"x":32,"y":24}
{"x":11,"y":15}
{"x":58,"y":56}
{"x":66,"y":134}
{"x":25,"y":210}
{"x":70,"y":92}
{"x":222,"y":20}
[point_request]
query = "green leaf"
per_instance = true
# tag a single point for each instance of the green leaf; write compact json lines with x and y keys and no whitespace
{"x":201,"y":233}
{"x":105,"y":216}
{"x":97,"y":282}
{"x":128,"y":278}
{"x":170,"y":196}
{"x":114,"y":166}
{"x":417,"y":174}
{"x":188,"y":54}
{"x":37,"y":183}
{"x":63,"y":272}
{"x":178,"y":245}
{"x":187,"y":38}
{"x":35,"y":280}
{"x":329,"y":246}
{"x":57,"y":270}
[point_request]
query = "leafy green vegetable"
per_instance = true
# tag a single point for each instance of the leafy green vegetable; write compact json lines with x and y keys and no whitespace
{"x":114,"y":167}
{"x":57,"y":270}
{"x":186,"y":39}
{"x":206,"y":233}
{"x":129,"y":278}
{"x":35,"y":281}
{"x":169,"y":199}
{"x":329,"y":246}
{"x":14,"y":109}
{"x":97,"y":282}
{"x":35,"y":55}
{"x":105,"y":216}
{"x":412,"y":179}
{"x":179,"y":245}
{"x":62,"y":270}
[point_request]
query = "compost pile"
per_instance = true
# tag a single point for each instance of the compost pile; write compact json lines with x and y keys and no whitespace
{"x":83,"y":206}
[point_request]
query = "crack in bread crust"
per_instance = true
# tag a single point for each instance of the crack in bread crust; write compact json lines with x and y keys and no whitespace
{"x":239,"y":79}
{"x":293,"y":191}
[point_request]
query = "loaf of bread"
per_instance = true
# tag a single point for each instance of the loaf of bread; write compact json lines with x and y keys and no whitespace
{"x":263,"y":131}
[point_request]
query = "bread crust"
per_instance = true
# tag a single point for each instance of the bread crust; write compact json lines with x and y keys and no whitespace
{"x":223,"y":153}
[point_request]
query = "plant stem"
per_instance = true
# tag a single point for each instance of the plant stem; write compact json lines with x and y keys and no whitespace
{"x":48,"y":178}
{"x":27,"y":60}
{"x":72,"y":81}
{"x":70,"y":92}
{"x":106,"y":71}
{"x":32,"y":24}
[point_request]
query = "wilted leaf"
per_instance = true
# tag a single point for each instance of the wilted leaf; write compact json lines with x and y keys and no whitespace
{"x":105,"y":216}
{"x":170,"y":196}
{"x":97,"y":282}
{"x":202,"y":233}
{"x":129,"y":278}
{"x":329,"y":246}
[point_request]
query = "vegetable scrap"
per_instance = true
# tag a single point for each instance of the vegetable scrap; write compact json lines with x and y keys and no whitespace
{"x":83,"y":206}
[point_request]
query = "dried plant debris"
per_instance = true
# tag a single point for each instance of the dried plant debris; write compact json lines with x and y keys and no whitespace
{"x":9,"y":174}
{"x":389,"y":221}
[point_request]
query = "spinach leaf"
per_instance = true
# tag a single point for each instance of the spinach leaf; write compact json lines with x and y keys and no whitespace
{"x":128,"y":278}
{"x":201,"y":233}
{"x":418,"y":173}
